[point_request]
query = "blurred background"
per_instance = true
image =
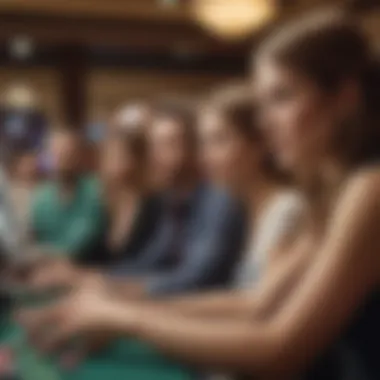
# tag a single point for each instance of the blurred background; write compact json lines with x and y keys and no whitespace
{"x":74,"y":61}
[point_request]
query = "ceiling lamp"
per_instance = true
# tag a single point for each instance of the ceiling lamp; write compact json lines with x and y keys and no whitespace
{"x":233,"y":19}
{"x":19,"y":96}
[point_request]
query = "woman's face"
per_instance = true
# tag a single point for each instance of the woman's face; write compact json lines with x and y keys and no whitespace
{"x":117,"y":162}
{"x":226,"y":156}
{"x":27,"y":167}
{"x":298,"y":118}
{"x":168,"y":151}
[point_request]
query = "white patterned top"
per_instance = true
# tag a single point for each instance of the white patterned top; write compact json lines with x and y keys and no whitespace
{"x":277,"y":220}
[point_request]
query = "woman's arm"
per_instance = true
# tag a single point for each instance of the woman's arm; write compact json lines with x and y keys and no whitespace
{"x":344,"y":272}
{"x":222,"y":304}
{"x":277,"y":284}
{"x":278,"y":279}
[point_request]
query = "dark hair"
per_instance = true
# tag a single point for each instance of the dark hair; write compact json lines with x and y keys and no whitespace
{"x":238,"y":108}
{"x":132,"y":140}
{"x":183,"y":113}
{"x":329,"y":48}
{"x":236,"y":105}
{"x":130,"y":131}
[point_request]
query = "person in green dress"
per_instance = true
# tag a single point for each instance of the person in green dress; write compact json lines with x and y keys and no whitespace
{"x":67,"y":213}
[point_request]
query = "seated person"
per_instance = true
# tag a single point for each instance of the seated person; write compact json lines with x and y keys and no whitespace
{"x":323,"y":131}
{"x":67,"y":215}
{"x":234,"y":157}
{"x":133,"y":211}
{"x":201,"y":228}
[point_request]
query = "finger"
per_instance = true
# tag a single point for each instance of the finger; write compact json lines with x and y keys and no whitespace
{"x":57,"y":338}
{"x":35,"y":263}
{"x":36,"y":320}
{"x":21,"y":271}
{"x":42,"y":279}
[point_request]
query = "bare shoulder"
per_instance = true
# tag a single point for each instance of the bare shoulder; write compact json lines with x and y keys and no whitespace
{"x":362,"y":186}
{"x":356,"y":215}
{"x":367,"y":175}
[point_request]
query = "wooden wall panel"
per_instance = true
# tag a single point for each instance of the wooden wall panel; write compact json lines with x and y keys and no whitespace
{"x":120,"y":9}
{"x":108,"y":89}
{"x":43,"y":84}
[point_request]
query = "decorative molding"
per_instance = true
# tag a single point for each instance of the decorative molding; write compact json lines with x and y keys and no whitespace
{"x":148,"y":10}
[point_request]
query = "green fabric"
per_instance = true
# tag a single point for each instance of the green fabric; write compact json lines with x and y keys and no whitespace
{"x":130,"y":360}
{"x":73,"y":227}
{"x":123,"y":359}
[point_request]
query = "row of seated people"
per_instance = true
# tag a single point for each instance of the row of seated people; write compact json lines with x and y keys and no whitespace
{"x":305,"y":303}
{"x":191,"y":233}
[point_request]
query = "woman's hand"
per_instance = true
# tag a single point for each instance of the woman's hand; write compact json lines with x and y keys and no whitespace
{"x":40,"y":272}
{"x":84,"y":312}
{"x":54,"y":273}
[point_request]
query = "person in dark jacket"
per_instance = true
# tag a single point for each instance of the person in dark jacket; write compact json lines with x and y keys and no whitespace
{"x":132,"y":208}
{"x":201,"y":229}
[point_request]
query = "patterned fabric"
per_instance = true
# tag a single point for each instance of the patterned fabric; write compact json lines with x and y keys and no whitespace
{"x":9,"y":230}
{"x":277,"y":220}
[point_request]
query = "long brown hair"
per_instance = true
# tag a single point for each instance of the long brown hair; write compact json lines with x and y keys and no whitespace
{"x":134,"y":142}
{"x":329,"y":48}
{"x":237,"y":106}
{"x":183,"y":112}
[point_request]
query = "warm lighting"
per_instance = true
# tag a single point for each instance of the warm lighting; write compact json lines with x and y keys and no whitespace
{"x":233,"y":19}
{"x":132,"y":116}
{"x":21,"y":47}
{"x":168,"y":3}
{"x":19,"y":96}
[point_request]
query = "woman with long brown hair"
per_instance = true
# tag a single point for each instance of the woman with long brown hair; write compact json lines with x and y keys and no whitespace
{"x":235,"y":156}
{"x":132,"y":208}
{"x":319,"y":101}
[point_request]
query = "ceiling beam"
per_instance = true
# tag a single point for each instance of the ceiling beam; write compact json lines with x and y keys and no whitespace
{"x":111,"y":9}
{"x":139,"y":35}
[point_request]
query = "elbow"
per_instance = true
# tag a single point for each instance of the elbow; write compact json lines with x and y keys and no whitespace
{"x":280,"y":356}
{"x":259,"y":355}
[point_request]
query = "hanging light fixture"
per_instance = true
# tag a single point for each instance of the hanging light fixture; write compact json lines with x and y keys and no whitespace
{"x":233,"y":19}
{"x":19,"y":96}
